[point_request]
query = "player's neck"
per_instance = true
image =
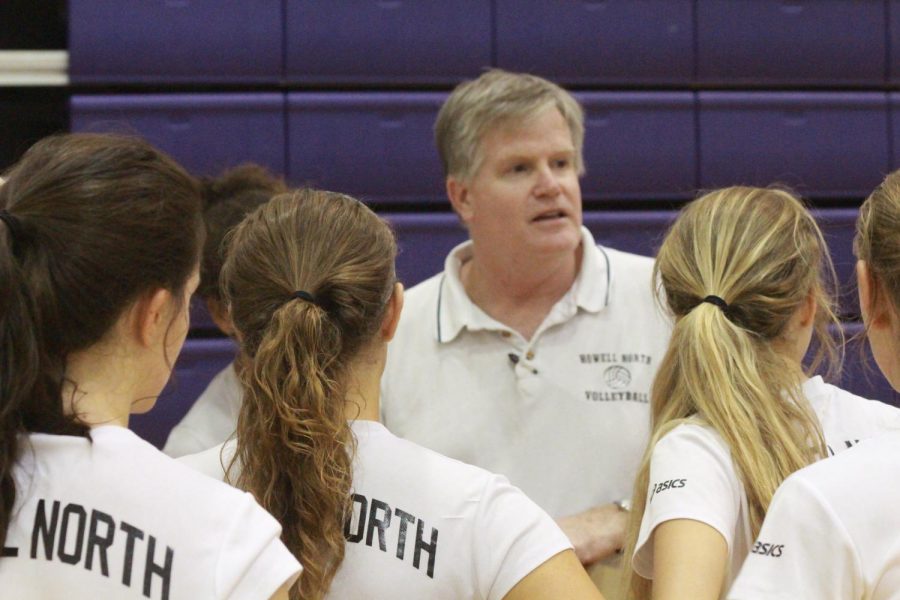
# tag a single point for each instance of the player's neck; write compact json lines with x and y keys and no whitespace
{"x":364,"y":389}
{"x":100,"y":388}
{"x":519,"y":293}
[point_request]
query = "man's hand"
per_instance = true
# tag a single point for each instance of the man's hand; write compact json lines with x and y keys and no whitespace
{"x":596,"y":533}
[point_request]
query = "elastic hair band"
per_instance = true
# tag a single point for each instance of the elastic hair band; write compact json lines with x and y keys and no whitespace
{"x":717,"y":301}
{"x":15,"y":227}
{"x":304,"y":295}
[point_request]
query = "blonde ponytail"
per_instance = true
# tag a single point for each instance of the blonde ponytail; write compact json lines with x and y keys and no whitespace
{"x":761,"y":252}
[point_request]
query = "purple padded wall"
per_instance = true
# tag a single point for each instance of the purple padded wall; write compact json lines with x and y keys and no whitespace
{"x":200,"y":319}
{"x":639,"y":145}
{"x":639,"y":232}
{"x":370,"y":145}
{"x":839,"y":226}
{"x":894,"y":101}
{"x":387,"y":41}
{"x":190,"y":41}
{"x":597,"y":41}
{"x":796,"y":42}
{"x":827,"y":144}
{"x":424,"y":240}
{"x":206,"y":133}
{"x":199,"y":361}
{"x":860,"y":374}
{"x":894,"y":40}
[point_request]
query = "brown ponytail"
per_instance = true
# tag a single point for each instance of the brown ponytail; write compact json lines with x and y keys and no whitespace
{"x":295,"y":446}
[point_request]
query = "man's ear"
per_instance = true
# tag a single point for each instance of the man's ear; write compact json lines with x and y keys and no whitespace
{"x":873,"y":301}
{"x":150,"y":317}
{"x":458,"y":192}
{"x":392,"y":313}
{"x":218,"y":310}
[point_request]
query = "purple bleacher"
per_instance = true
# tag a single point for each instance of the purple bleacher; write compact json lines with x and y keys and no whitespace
{"x":860,"y":374}
{"x":838,"y":227}
{"x":639,"y":145}
{"x":795,"y":42}
{"x":193,"y":41}
{"x":824,"y":144}
{"x":387,"y":42}
{"x":597,"y":41}
{"x":206,"y":133}
{"x":371,"y":145}
{"x":894,"y":101}
{"x":200,"y":318}
{"x":198,"y":363}
{"x":894,"y":40}
{"x":639,"y":232}
{"x":425,"y":239}
{"x":423,"y":242}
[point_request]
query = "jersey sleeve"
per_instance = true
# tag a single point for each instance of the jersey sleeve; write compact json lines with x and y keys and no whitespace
{"x":691,"y":477}
{"x":512,"y":537}
{"x":182,"y":441}
{"x":803,"y":551}
{"x":253,"y":562}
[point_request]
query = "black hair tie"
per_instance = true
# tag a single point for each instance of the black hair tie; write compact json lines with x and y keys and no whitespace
{"x":304,"y":295}
{"x":711,"y":299}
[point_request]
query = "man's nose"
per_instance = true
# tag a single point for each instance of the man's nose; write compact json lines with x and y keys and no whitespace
{"x":548,"y":182}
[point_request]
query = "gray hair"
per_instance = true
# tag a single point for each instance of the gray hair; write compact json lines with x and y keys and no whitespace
{"x":495,"y":98}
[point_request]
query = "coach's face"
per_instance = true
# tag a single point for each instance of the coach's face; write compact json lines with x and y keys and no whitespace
{"x":525,"y":197}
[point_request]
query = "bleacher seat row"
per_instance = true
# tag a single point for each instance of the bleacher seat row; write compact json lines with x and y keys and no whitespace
{"x":434,"y":42}
{"x":638,"y":145}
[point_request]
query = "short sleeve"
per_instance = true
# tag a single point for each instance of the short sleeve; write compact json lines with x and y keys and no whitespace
{"x":512,"y":537}
{"x":803,"y":551}
{"x":691,"y":477}
{"x":182,"y":441}
{"x":211,"y":462}
{"x":253,"y":562}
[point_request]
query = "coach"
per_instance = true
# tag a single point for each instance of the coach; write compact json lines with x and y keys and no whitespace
{"x":532,"y":354}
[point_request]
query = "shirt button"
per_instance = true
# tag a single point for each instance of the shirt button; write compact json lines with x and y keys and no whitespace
{"x":530,"y":355}
{"x":505,"y":334}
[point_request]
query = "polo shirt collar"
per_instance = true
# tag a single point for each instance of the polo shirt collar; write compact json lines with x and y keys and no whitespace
{"x":455,"y":311}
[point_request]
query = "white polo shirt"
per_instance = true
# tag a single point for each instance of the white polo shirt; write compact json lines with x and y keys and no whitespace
{"x":113,"y":517}
{"x":693,"y":477}
{"x":564,"y":415}
{"x":426,"y":526}
{"x":832,"y":531}
{"x":212,"y":419}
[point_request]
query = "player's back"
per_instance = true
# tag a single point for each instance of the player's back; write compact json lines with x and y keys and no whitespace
{"x":112,"y":517}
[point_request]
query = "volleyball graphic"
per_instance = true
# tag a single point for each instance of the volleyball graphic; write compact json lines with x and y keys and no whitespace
{"x":617,"y":377}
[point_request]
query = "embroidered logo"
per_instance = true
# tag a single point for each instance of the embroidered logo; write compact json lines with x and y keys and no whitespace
{"x":617,"y":377}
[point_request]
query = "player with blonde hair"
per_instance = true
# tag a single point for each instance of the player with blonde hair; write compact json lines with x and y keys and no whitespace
{"x":747,"y":277}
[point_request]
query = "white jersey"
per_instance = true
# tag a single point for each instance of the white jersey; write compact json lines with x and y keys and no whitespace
{"x":425,"y":526}
{"x":831,"y":532}
{"x":693,"y":477}
{"x":564,"y":415}
{"x":212,"y":419}
{"x":115,"y":518}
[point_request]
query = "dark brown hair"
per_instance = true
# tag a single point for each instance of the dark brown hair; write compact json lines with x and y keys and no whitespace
{"x":228,"y":199}
{"x":294,"y":444}
{"x":98,"y":221}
